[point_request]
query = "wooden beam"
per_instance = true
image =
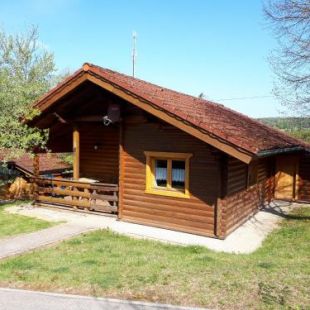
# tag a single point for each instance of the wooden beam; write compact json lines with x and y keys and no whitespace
{"x":61,"y":119}
{"x":297,"y":179}
{"x":222,"y":193}
{"x":36,"y":165}
{"x":76,"y":193}
{"x":69,"y":183}
{"x":121,"y":170}
{"x":76,"y":153}
{"x":74,"y":203}
{"x":89,"y":118}
{"x":36,"y":173}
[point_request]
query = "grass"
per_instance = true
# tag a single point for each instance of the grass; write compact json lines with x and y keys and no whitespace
{"x":12,"y":224}
{"x":102,"y":263}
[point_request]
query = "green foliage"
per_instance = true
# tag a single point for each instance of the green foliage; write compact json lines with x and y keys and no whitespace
{"x":7,"y":175}
{"x":287,"y":123}
{"x":298,"y":127}
{"x":67,"y":158}
{"x":27,"y":71}
{"x":303,"y":134}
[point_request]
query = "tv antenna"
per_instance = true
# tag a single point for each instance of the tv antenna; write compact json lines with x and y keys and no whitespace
{"x":134,"y":52}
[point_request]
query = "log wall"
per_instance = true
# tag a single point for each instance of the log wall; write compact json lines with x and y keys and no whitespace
{"x":304,"y":179}
{"x":194,"y":214}
{"x":100,"y":164}
{"x":243,"y":201}
{"x":237,"y":175}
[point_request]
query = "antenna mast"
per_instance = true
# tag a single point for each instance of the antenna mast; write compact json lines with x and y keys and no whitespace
{"x":134,"y":52}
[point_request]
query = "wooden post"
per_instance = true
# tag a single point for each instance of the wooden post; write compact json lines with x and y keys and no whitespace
{"x":297,"y":179}
{"x":76,"y":153}
{"x":271,"y":180}
{"x":219,"y":218}
{"x":36,"y":165}
{"x":121,"y":172}
{"x":222,"y":193}
{"x":36,"y":174}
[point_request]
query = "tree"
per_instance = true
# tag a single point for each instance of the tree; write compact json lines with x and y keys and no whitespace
{"x":290,"y":22}
{"x":27,"y":71}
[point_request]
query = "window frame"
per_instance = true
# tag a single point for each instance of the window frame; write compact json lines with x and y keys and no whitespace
{"x":151,"y":157}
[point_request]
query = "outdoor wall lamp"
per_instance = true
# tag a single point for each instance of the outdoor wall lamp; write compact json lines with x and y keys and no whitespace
{"x":97,"y":146}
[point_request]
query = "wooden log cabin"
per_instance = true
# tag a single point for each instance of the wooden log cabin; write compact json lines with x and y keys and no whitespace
{"x":162,"y":158}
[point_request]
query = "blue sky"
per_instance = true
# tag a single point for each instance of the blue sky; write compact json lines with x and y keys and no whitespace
{"x":218,"y":47}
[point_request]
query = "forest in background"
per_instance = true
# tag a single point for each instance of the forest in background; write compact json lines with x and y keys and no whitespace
{"x":298,"y":127}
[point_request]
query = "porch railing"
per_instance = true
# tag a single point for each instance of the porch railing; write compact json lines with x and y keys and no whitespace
{"x":101,"y":197}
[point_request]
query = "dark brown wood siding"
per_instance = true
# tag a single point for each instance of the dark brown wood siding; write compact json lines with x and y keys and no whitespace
{"x":237,"y":175}
{"x":194,"y":214}
{"x":60,"y":138}
{"x":243,"y":201}
{"x":304,"y":178}
{"x":101,"y":164}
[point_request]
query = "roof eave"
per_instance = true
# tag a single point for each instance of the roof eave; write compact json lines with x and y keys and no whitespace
{"x":287,"y":150}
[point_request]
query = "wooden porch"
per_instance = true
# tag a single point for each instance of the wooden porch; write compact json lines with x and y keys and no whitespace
{"x":93,"y":185}
{"x":100,"y":197}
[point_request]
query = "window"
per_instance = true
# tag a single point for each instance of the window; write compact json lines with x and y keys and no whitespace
{"x":167,"y":174}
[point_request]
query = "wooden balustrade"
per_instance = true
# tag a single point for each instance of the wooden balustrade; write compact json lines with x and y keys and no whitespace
{"x":101,"y":197}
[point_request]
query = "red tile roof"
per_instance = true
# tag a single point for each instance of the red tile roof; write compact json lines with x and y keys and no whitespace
{"x":49,"y":162}
{"x":216,"y":119}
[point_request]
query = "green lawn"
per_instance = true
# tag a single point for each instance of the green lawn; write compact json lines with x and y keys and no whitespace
{"x":12,"y":224}
{"x":106,"y":264}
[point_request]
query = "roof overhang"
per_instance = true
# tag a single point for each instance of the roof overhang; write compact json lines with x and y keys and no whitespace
{"x":86,"y":74}
{"x":288,"y":150}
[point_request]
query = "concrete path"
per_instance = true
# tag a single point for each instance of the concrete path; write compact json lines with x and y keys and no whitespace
{"x":246,"y":239}
{"x":74,"y":224}
{"x":26,"y":242}
{"x":12,"y":299}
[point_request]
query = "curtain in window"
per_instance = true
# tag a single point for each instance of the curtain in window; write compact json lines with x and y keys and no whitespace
{"x":178,"y":175}
{"x":161,"y":174}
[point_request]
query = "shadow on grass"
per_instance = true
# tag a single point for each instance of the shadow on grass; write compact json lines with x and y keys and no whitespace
{"x":276,"y":208}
